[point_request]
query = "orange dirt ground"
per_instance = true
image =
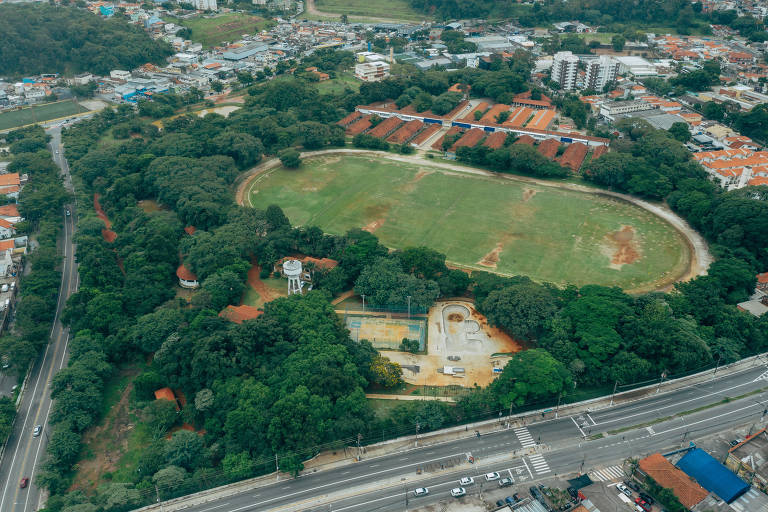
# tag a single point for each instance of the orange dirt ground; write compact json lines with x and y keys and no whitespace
{"x":492,"y":258}
{"x":257,"y":284}
{"x":626,"y":250}
{"x":107,"y":232}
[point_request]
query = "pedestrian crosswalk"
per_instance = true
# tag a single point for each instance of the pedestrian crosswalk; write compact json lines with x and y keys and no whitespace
{"x":763,"y":376}
{"x":539,"y":464}
{"x":607,"y":474}
{"x":525,"y":437}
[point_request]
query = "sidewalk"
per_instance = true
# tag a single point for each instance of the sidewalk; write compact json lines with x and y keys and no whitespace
{"x":347,"y":456}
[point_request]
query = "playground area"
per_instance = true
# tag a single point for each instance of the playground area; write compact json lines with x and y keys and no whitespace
{"x":462,"y":349}
{"x":385,"y":332}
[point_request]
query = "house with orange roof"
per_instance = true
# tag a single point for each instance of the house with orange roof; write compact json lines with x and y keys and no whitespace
{"x":668,"y":476}
{"x":167,"y":394}
{"x":10,"y":212}
{"x":187,"y":278}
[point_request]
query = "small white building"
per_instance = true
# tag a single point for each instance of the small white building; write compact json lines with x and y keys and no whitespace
{"x":187,"y":278}
{"x":372,"y":71}
{"x":119,"y":74}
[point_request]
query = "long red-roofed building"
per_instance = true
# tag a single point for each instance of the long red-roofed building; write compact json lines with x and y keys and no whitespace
{"x":469,"y":139}
{"x":495,"y":140}
{"x":548,"y":148}
{"x":385,"y":127}
{"x":573,"y":156}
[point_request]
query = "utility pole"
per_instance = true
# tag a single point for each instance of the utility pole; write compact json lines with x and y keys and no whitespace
{"x":615,"y":385}
{"x":359,"y":450}
{"x":157,"y":492}
{"x":417,"y":434}
{"x":717,"y":366}
{"x":405,"y":493}
{"x":363,"y":303}
{"x":409,"y":307}
{"x":663,"y":375}
{"x":559,"y":396}
{"x":277,"y":469}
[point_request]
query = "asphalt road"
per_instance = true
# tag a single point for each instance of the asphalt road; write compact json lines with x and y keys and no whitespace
{"x":528,"y":453}
{"x":23,"y":452}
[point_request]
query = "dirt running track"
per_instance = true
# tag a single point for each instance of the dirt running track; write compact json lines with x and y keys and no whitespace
{"x":701,"y":258}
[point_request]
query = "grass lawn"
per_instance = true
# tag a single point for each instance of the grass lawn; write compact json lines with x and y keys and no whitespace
{"x":603,"y":37}
{"x":394,"y":9}
{"x":383,"y":408}
{"x":213,"y":30}
{"x":38,"y":113}
{"x":339,"y":84}
{"x":278,"y":288}
{"x":483,"y":223}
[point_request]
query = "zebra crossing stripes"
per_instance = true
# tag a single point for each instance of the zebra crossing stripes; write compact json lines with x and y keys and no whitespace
{"x":763,"y":376}
{"x":539,"y":464}
{"x":607,"y":474}
{"x":524,"y":437}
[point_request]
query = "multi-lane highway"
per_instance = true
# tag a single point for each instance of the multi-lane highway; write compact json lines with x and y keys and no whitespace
{"x":526,"y":452}
{"x":24,"y":452}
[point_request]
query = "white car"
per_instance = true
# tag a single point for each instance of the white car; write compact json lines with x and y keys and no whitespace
{"x":623,"y":488}
{"x":420,"y":491}
{"x":467,"y":480}
{"x":490,"y":477}
{"x":458,"y":492}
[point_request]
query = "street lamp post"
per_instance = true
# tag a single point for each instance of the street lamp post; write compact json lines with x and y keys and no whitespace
{"x":615,"y":385}
{"x":363,"y":295}
{"x":409,"y":307}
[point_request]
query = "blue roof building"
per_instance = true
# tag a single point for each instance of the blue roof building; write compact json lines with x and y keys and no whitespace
{"x":713,"y":476}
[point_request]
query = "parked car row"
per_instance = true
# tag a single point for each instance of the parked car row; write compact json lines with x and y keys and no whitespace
{"x":643,"y":502}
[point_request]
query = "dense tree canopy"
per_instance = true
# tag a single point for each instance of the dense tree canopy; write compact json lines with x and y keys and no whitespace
{"x":42,"y":38}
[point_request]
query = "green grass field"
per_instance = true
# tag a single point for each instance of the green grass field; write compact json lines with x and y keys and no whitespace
{"x":212,"y":31}
{"x":339,"y":84}
{"x":392,"y":9}
{"x":38,"y":113}
{"x":483,"y":223}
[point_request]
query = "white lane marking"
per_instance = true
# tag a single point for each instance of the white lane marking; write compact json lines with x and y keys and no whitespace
{"x":688,"y":425}
{"x":674,"y":403}
{"x":590,"y":419}
{"x":368,"y":502}
{"x":526,"y":467}
{"x":578,"y":427}
{"x":348,"y":480}
{"x":212,"y":508}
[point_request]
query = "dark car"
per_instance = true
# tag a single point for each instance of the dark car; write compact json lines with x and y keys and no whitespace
{"x":632,"y":485}
{"x":499,"y":503}
{"x":509,"y":500}
{"x":573,"y":492}
{"x":647,"y":498}
{"x":536,"y":493}
{"x":517,"y":496}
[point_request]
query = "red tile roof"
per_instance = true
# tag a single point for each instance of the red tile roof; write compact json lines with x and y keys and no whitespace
{"x":453,"y":130}
{"x":426,"y":134}
{"x":190,"y":230}
{"x":9,"y":179}
{"x":359,"y":126}
{"x":666,"y":475}
{"x":9,"y":210}
{"x":469,"y":139}
{"x":6,"y":245}
{"x":599,"y":151}
{"x":549,"y":148}
{"x":525,"y":139}
{"x":573,"y":156}
{"x":405,"y":132}
{"x":386,"y":127}
{"x":495,"y":140}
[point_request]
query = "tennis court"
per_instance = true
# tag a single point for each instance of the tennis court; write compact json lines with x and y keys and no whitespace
{"x":385,"y":332}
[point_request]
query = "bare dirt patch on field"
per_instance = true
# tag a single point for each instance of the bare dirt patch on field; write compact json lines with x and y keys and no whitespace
{"x":491,"y":259}
{"x":372,"y":226}
{"x":625,"y":247}
{"x":455,"y":317}
{"x":528,"y":193}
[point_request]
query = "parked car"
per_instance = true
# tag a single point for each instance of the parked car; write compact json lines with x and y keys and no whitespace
{"x":509,"y":500}
{"x":490,"y":477}
{"x":632,"y":485}
{"x":642,"y":504}
{"x":573,"y":492}
{"x":467,"y":480}
{"x":420,"y":491}
{"x":536,"y":493}
{"x":647,"y":498}
{"x":37,"y":431}
{"x":505,"y":482}
{"x":458,"y":492}
{"x":623,"y":488}
{"x":24,"y":483}
{"x":500,"y":503}
{"x":517,"y":496}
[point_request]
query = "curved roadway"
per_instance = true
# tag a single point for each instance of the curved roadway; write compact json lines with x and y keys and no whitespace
{"x":700,"y":257}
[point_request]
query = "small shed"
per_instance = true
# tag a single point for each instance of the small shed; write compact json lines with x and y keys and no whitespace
{"x":712,"y":475}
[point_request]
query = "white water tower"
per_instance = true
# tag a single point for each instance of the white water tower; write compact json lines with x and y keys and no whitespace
{"x":292,"y":270}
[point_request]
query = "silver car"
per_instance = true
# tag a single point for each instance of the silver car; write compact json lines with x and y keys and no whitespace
{"x":420,"y":491}
{"x":458,"y":492}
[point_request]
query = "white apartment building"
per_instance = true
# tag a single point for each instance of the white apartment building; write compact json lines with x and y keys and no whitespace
{"x":565,"y":69}
{"x":206,"y":5}
{"x":600,"y":71}
{"x":372,"y":71}
{"x":610,"y":110}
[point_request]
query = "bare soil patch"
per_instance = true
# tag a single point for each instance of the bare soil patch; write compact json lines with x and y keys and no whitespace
{"x":107,"y":232}
{"x":455,"y":317}
{"x":626,"y":251}
{"x":371,"y":227}
{"x":528,"y":193}
{"x":491,"y":259}
{"x":255,"y":282}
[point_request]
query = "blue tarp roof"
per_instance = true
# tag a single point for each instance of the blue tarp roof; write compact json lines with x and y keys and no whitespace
{"x":712,"y":475}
